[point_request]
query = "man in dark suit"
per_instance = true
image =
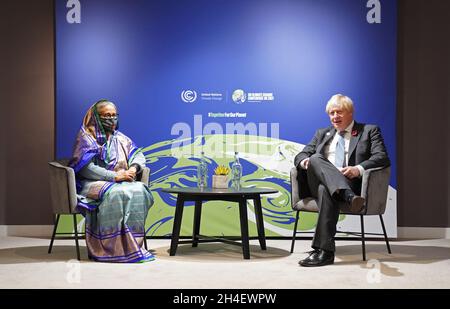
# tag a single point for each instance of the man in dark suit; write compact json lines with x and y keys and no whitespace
{"x":330,"y":169}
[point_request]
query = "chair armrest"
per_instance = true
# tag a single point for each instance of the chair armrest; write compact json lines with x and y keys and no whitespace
{"x":63,"y":189}
{"x":145,"y":176}
{"x":375,"y":185}
{"x":295,"y":194}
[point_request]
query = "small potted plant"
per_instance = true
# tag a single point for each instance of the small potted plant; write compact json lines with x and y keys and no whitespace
{"x":220,"y":177}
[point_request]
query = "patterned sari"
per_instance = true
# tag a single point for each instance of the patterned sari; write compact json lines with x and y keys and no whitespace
{"x":115,"y":212}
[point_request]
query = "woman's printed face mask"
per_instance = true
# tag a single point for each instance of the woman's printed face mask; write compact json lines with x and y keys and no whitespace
{"x":109,"y":123}
{"x":108,"y":117}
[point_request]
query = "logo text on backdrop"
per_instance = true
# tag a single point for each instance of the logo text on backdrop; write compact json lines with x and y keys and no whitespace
{"x":74,"y":14}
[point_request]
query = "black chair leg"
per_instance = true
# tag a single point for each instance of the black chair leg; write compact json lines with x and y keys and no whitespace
{"x":76,"y":235}
{"x":363,"y":239}
{"x":53,"y":234}
{"x":385,"y":235}
{"x":295,"y":231}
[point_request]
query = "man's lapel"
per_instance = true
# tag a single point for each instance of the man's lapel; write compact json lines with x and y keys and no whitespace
{"x":328,"y":136}
{"x":356,"y":135}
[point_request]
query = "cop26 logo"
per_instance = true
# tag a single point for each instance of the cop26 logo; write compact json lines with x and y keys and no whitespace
{"x":74,"y":14}
{"x":239,"y":96}
{"x":188,"y":96}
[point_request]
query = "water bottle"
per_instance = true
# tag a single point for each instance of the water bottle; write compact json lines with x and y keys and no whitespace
{"x":236,"y":172}
{"x":202,"y":173}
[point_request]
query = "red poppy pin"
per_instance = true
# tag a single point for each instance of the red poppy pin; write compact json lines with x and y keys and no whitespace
{"x":354,"y":133}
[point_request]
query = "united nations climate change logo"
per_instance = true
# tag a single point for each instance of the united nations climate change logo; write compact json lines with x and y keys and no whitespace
{"x":188,"y":96}
{"x":239,"y":96}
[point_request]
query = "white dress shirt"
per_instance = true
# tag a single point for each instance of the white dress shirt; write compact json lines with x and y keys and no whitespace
{"x":330,"y":148}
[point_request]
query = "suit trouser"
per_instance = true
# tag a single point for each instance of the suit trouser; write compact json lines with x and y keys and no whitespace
{"x":324,"y":180}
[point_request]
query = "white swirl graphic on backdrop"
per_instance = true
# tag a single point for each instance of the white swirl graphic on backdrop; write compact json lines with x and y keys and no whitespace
{"x":188,"y":96}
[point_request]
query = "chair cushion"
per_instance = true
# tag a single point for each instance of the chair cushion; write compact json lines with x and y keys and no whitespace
{"x":309,"y":204}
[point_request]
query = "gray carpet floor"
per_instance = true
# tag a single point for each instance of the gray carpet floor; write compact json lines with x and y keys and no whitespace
{"x":24,"y":263}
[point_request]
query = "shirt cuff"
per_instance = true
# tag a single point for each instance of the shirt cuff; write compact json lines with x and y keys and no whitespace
{"x":361,"y":170}
{"x":137,"y":167}
{"x":110,"y":176}
{"x":302,"y":163}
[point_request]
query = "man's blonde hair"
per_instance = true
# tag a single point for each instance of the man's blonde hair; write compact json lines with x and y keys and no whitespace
{"x":340,"y":101}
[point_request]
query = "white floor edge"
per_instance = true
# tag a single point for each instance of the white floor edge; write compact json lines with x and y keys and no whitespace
{"x":402,"y":232}
{"x":26,"y":230}
{"x":423,"y":232}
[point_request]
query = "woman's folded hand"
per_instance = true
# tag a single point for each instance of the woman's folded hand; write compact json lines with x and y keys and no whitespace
{"x":132,"y":170}
{"x":124,"y":175}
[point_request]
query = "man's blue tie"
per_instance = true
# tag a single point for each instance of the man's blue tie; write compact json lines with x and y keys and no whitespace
{"x":339,"y":158}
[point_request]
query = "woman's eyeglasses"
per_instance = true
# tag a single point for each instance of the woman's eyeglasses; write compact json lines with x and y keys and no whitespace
{"x":114,"y":117}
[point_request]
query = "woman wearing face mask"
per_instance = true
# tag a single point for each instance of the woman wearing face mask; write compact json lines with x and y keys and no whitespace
{"x":106,"y":163}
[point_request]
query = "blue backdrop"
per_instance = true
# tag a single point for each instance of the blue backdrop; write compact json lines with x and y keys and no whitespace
{"x":144,"y":54}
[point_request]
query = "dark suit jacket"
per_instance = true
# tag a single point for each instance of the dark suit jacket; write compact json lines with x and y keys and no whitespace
{"x":366,"y":149}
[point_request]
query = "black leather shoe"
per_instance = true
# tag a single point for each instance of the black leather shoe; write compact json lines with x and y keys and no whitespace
{"x":314,"y":251}
{"x":320,"y":258}
{"x":357,"y":203}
